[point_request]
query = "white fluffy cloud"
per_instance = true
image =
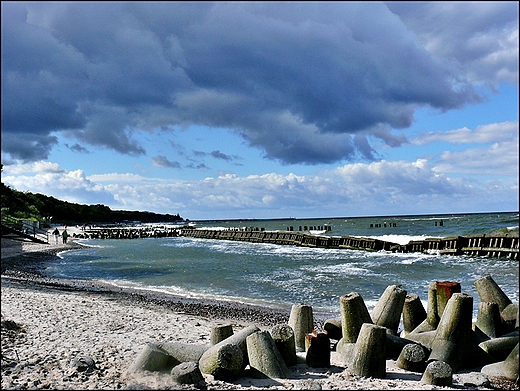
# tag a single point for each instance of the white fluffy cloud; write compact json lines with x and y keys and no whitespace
{"x":398,"y":187}
{"x":484,"y":134}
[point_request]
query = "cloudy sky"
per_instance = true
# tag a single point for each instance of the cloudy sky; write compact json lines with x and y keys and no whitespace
{"x":262,"y":110}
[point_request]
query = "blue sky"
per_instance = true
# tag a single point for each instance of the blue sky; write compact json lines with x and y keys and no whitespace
{"x":263,"y":110}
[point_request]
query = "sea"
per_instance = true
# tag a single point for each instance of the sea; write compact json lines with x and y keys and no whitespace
{"x":278,"y":276}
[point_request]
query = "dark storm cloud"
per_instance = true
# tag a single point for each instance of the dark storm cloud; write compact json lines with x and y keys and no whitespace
{"x":163,"y":161}
{"x":486,"y":35}
{"x":77,"y":148}
{"x":27,"y":147}
{"x":305,"y":82}
{"x":200,"y":166}
{"x":219,"y":155}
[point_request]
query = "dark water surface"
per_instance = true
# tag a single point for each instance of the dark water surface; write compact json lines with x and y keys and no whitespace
{"x":279,"y":276}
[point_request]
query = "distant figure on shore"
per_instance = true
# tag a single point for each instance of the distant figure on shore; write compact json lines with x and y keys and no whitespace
{"x":56,"y":234}
{"x":65,"y":235}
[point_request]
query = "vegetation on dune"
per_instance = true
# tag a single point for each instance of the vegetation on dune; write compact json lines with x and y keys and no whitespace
{"x":45,"y":209}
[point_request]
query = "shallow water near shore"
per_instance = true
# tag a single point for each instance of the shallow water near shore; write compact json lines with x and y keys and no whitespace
{"x":279,"y":276}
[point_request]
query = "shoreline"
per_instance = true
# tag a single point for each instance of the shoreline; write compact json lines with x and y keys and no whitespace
{"x":61,"y":319}
{"x":27,"y":268}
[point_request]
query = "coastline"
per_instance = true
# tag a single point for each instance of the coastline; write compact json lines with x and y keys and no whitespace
{"x":62,"y":319}
{"x":25,"y":266}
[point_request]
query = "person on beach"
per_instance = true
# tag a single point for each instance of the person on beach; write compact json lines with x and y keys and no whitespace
{"x":56,"y":234}
{"x":65,"y":235}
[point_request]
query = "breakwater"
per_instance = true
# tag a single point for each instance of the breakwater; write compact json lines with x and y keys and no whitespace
{"x":158,"y":231}
{"x":496,"y":245}
{"x":489,"y":245}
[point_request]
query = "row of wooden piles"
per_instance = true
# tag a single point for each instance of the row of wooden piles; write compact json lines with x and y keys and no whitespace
{"x":128,"y":232}
{"x":504,"y":245}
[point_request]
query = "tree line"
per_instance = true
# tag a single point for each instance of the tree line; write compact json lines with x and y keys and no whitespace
{"x":46,"y":209}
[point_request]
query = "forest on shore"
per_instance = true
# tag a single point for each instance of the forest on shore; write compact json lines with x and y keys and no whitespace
{"x":45,"y":209}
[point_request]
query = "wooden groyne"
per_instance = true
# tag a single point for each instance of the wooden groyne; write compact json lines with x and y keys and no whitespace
{"x":495,"y":245}
{"x":128,"y":232}
{"x":501,"y":245}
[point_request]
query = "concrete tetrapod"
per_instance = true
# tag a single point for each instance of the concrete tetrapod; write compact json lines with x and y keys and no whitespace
{"x":179,"y":352}
{"x":354,"y":314}
{"x":412,"y":358}
{"x":221,"y":360}
{"x":454,"y":331}
{"x":509,"y":317}
{"x":439,"y":292}
{"x":489,"y":320}
{"x":438,"y":373}
{"x":395,"y":344}
{"x":333,"y":328}
{"x":264,"y":358}
{"x":369,"y":355}
{"x":224,"y":362}
{"x":301,"y":320}
{"x":454,"y":341}
{"x":499,"y":348}
{"x":283,"y":336}
{"x":490,"y":292}
{"x":220,"y":333}
{"x":413,"y":313}
{"x":187,"y":373}
{"x":507,"y":369}
{"x":151,"y":358}
{"x":388,"y":309}
{"x":444,"y":292}
{"x":432,"y":316}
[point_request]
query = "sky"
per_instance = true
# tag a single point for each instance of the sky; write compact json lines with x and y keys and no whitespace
{"x":252,"y":110}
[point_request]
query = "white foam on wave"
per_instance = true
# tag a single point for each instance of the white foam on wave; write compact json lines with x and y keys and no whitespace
{"x":344,"y":268}
{"x":183,"y":292}
{"x":213,"y":228}
{"x":432,"y":218}
{"x":399,"y":239}
{"x":75,"y":250}
{"x":89,"y":243}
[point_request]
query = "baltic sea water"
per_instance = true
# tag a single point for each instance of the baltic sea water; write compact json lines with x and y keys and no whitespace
{"x":279,"y":275}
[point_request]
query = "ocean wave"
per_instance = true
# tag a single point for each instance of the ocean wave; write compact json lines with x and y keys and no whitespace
{"x":399,"y":239}
{"x":430,"y":218}
{"x":344,"y":268}
{"x":190,"y":294}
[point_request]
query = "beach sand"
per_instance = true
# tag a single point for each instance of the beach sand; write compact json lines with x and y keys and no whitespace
{"x":48,"y":323}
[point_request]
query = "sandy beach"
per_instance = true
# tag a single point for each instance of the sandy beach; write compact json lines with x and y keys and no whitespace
{"x":48,"y":324}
